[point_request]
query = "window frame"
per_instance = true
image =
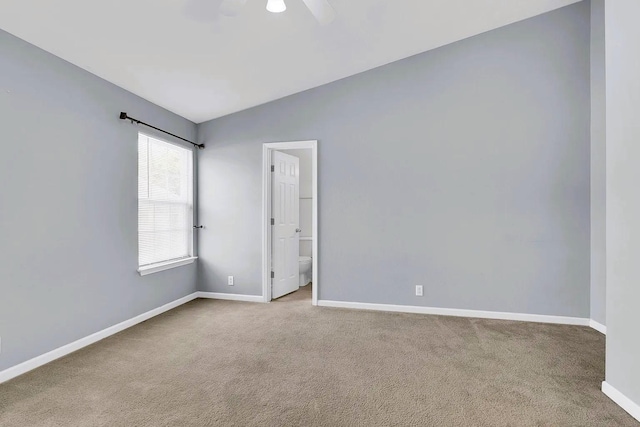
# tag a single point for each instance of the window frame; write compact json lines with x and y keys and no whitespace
{"x":178,"y":262}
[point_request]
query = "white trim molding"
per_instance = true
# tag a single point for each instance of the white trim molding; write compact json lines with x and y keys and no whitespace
{"x":267,"y":149}
{"x":598,"y":326}
{"x":621,"y":400}
{"x":539,"y":318}
{"x":230,"y":297}
{"x":43,"y":359}
{"x":161,"y":266}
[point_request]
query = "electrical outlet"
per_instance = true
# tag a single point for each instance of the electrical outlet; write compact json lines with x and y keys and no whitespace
{"x":230,"y":281}
{"x":419,"y":290}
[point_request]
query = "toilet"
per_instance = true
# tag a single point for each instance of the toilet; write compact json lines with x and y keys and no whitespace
{"x":305,"y":270}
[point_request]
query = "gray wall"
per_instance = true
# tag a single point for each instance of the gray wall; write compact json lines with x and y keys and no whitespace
{"x":464,"y":169}
{"x":598,"y":165}
{"x":623,"y":196}
{"x":68,"y":205}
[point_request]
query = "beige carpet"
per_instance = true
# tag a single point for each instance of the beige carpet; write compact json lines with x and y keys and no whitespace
{"x":219,"y":363}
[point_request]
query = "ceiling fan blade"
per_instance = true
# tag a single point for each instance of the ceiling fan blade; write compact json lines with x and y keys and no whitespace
{"x":202,"y":10}
{"x":231,"y":8}
{"x":322,"y":10}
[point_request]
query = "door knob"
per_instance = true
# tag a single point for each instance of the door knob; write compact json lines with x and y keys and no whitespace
{"x":298,"y":230}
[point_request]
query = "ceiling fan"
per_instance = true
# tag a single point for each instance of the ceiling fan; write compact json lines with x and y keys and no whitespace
{"x":320,"y":9}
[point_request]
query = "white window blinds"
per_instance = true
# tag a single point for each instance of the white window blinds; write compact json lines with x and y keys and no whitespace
{"x":165,"y":201}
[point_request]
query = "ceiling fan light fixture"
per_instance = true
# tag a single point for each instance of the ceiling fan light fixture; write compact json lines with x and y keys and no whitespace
{"x":276,"y":6}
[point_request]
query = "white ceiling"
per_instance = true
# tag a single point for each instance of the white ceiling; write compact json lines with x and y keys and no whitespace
{"x":185,"y":57}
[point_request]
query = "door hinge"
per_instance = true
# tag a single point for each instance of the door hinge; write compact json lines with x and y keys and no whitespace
{"x":273,"y":275}
{"x":273,"y":168}
{"x":273,"y":221}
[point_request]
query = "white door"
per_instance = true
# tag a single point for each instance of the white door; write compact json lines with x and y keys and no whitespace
{"x":285,"y":240}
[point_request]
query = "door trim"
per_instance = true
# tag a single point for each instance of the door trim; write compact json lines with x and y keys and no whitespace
{"x":267,"y":149}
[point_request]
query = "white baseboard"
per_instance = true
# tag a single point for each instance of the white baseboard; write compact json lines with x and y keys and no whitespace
{"x":598,"y":326}
{"x":38,"y":361}
{"x":539,"y":318}
{"x":623,"y":401}
{"x":230,"y":297}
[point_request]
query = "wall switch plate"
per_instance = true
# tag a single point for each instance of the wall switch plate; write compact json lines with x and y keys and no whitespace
{"x":230,"y":281}
{"x":419,"y":290}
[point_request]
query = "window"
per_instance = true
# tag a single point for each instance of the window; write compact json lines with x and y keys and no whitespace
{"x":165,"y":205}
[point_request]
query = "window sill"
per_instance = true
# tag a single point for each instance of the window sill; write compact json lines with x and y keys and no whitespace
{"x":161,"y":266}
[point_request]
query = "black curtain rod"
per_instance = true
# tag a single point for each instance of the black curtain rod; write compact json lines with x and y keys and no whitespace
{"x":124,"y":116}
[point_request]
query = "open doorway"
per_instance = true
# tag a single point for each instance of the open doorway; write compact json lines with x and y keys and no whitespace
{"x":290,"y":219}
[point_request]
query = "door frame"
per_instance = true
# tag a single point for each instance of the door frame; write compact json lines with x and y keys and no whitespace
{"x":267,"y":150}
